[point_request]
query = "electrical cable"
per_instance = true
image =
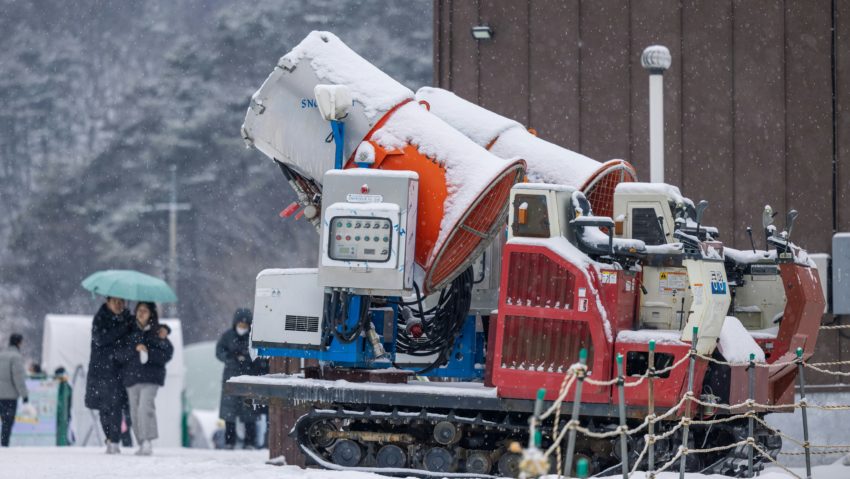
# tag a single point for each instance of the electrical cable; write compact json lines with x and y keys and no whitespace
{"x":441,"y":324}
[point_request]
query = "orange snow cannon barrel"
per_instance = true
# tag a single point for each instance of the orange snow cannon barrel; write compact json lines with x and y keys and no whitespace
{"x":547,"y":162}
{"x":464,"y":190}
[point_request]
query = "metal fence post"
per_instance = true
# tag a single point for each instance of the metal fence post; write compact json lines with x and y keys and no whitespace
{"x":621,"y":386}
{"x":583,"y":468}
{"x":752,"y":373}
{"x":805,"y":415}
{"x":650,"y":372}
{"x":686,"y":428}
{"x":571,"y":441}
{"x":534,"y":420}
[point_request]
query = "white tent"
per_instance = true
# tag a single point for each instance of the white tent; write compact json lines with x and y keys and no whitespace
{"x":67,"y":343}
{"x":203,"y":390}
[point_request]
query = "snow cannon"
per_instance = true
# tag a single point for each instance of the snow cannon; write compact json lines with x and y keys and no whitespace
{"x":547,"y":162}
{"x":463,"y":188}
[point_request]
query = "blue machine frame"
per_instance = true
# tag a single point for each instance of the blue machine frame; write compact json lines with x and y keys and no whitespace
{"x":465,"y":362}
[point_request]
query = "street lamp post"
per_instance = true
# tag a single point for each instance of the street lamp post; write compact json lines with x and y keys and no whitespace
{"x":656,"y":59}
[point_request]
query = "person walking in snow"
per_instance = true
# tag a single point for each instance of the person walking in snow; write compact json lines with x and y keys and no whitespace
{"x":144,"y":355}
{"x":12,"y":386}
{"x":232,"y":349}
{"x":104,"y":389}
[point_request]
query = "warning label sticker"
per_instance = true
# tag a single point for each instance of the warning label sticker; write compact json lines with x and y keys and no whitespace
{"x":609,"y":277}
{"x":672,"y":283}
{"x":698,"y":294}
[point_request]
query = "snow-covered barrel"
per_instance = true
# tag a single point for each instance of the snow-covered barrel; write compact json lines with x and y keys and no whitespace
{"x":547,"y":162}
{"x":463,"y":188}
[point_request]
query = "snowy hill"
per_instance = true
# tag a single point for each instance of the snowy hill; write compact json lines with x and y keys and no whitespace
{"x":102,"y":98}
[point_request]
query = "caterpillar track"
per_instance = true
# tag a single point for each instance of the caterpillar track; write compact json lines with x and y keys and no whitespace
{"x":424,"y":442}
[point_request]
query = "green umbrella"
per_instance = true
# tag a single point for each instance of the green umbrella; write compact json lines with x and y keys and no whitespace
{"x":130,"y":285}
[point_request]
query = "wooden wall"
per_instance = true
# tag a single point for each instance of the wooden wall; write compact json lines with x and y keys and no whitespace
{"x":757,"y":101}
{"x":748,"y":99}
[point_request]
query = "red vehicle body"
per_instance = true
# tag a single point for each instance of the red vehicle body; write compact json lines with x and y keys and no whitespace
{"x":549,"y":309}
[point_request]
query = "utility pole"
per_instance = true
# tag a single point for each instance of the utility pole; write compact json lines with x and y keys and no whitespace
{"x":172,"y":207}
{"x":172,"y":238}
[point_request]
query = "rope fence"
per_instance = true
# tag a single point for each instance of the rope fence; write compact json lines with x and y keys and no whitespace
{"x":577,"y":375}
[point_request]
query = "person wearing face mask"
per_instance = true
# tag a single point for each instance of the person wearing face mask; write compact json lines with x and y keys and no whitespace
{"x":232,"y":349}
{"x":104,"y":390}
{"x":144,"y":355}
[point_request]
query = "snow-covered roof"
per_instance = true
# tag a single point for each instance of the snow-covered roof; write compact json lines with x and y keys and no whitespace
{"x":547,"y":162}
{"x":480,"y":124}
{"x":660,"y":189}
{"x":334,"y":62}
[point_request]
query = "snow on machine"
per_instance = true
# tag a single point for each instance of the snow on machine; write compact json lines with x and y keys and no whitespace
{"x":418,"y":277}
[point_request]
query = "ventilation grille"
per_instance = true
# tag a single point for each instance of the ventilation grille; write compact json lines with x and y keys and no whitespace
{"x":537,"y":281}
{"x":543,"y":344}
{"x":304,"y":324}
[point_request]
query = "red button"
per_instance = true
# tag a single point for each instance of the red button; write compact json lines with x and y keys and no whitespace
{"x":338,"y":237}
{"x":348,"y":238}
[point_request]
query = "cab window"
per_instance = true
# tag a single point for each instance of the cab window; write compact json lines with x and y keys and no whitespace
{"x":646,"y":226}
{"x":531,"y":216}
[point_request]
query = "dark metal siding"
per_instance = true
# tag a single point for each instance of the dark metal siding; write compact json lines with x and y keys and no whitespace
{"x":748,"y":100}
{"x":750,"y":117}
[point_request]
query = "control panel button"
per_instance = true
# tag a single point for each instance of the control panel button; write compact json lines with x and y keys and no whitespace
{"x":348,"y":241}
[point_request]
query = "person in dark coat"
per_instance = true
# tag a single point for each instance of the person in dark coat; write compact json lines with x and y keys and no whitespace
{"x":144,"y":355}
{"x":12,"y":386}
{"x":104,"y":390}
{"x":232,"y":349}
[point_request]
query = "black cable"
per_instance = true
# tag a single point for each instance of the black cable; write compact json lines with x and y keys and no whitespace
{"x":348,"y":337}
{"x":441,"y":328}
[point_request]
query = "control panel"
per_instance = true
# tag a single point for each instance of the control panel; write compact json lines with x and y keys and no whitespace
{"x":361,"y":238}
{"x":368,"y":230}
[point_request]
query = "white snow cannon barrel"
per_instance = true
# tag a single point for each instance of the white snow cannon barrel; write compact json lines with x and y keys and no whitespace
{"x":463,"y":188}
{"x":547,"y":162}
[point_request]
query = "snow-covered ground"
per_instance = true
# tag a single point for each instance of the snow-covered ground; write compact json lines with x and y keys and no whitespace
{"x":92,"y":463}
{"x":168,"y":463}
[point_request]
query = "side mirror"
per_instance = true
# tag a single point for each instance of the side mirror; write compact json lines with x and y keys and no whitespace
{"x":789,"y":221}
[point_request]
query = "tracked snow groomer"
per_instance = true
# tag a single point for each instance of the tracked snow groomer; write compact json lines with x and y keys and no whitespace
{"x":457,"y":246}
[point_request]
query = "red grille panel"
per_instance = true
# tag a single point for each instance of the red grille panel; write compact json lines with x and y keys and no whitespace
{"x":544,"y":344}
{"x":537,"y":281}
